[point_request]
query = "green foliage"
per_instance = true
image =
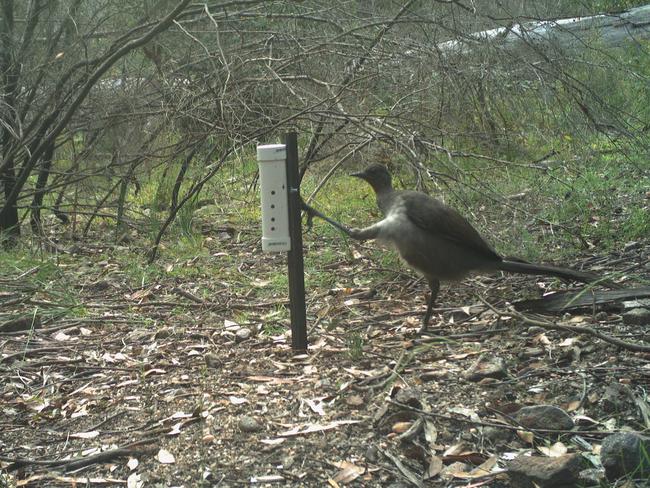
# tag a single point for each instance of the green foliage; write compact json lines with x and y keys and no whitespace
{"x":355,"y":343}
{"x":611,"y":6}
{"x":45,"y":275}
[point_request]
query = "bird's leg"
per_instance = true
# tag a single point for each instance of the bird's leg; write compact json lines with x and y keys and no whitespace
{"x":366,"y":233}
{"x":434,"y":285}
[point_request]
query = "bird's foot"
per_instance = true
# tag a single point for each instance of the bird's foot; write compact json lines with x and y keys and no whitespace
{"x":355,"y":233}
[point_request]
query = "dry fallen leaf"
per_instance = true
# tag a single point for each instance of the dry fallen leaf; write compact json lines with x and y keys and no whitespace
{"x":434,"y":468}
{"x":61,"y":337}
{"x":310,"y":428}
{"x":354,"y":400}
{"x":85,"y":435}
{"x":315,"y":405}
{"x":134,"y":481}
{"x":400,"y":427}
{"x":237,"y":400}
{"x":572,"y":406}
{"x":556,"y":450}
{"x":526,"y":436}
{"x":568,"y":342}
{"x":349,"y":472}
{"x":165,"y":457}
{"x":273,"y":442}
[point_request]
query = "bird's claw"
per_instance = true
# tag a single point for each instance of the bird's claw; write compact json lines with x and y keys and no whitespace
{"x":354,"y":232}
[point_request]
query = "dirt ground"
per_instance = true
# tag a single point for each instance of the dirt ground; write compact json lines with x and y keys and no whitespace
{"x":192,"y":382}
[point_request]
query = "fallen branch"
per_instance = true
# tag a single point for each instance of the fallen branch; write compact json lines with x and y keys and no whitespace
{"x":76,"y":463}
{"x":546,"y":324}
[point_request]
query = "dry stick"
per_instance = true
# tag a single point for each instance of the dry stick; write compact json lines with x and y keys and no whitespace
{"x":404,"y":471}
{"x":76,"y":463}
{"x":569,"y":328}
{"x":210,"y":305}
{"x":30,"y":352}
{"x":189,"y":295}
{"x":467,"y":420}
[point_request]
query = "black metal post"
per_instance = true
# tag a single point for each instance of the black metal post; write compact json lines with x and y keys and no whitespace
{"x":294,"y":258}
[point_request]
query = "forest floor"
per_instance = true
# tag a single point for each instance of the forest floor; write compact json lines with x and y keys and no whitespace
{"x":184,"y":379}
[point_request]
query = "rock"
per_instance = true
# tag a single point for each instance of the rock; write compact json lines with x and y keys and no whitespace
{"x":601,"y":316}
{"x":409,"y":396}
{"x":616,"y":397}
{"x":288,"y":461}
{"x":544,"y":417}
{"x":21,"y":324}
{"x":546,"y":472}
{"x":212,"y":360}
{"x":249,"y":424}
{"x":487,"y":367}
{"x":372,"y":454}
{"x":242,"y":334}
{"x":497,"y":436}
{"x":434,"y":375}
{"x":163,"y":333}
{"x":638,"y":303}
{"x":531,"y":352}
{"x":637,"y":316}
{"x":626,"y":454}
{"x":592,"y":477}
{"x":535,"y":329}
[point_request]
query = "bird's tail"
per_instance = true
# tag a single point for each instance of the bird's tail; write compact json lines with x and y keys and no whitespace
{"x":543,"y":269}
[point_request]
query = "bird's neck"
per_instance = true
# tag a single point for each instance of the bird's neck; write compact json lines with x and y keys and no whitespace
{"x":385,"y":196}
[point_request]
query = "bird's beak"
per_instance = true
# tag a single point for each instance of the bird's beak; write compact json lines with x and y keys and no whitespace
{"x":359,"y":174}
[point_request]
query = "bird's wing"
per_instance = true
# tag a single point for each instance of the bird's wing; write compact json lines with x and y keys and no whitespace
{"x":438,"y":219}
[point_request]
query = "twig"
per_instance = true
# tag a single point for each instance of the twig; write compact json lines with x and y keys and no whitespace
{"x":72,"y":464}
{"x":189,"y":295}
{"x":500,"y":426}
{"x":569,"y":328}
{"x":29,"y":352}
{"x":404,"y":471}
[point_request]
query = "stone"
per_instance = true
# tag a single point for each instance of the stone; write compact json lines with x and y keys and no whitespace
{"x":212,"y":360}
{"x":638,"y":303}
{"x":487,"y":367}
{"x":497,"y":436}
{"x":546,"y":472}
{"x":288,"y":461}
{"x":242,"y":334}
{"x":535,"y":329}
{"x":601,"y":316}
{"x":544,"y":417}
{"x":249,"y":424}
{"x":372,"y":454}
{"x":592,"y":477}
{"x":163,"y":333}
{"x":409,"y":396}
{"x":626,"y":454}
{"x":631,"y":246}
{"x":531,"y":352}
{"x":637,"y":316}
{"x":616,"y":398}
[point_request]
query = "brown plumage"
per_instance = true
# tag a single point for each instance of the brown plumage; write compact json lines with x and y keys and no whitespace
{"x":436,"y":240}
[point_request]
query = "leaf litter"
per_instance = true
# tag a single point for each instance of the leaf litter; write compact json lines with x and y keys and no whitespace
{"x":146,"y":387}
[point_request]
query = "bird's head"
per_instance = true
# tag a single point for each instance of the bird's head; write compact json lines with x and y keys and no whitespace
{"x":377,"y":176}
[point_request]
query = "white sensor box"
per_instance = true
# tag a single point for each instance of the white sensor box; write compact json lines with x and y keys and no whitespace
{"x":271,"y":159}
